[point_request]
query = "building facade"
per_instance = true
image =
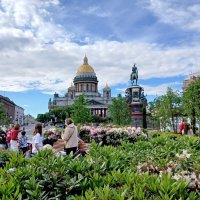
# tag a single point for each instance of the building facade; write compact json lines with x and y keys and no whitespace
{"x":189,"y":80}
{"x":19,"y":115}
{"x":29,"y":119}
{"x":9,"y":107}
{"x":14,"y":112}
{"x":85,"y":82}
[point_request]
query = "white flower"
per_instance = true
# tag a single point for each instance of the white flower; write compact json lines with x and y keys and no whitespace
{"x":176,"y":177}
{"x":187,"y":178}
{"x":193,"y":176}
{"x":169,"y":170}
{"x":186,"y":154}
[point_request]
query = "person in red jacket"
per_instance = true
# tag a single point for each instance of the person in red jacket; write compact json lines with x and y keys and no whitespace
{"x":14,"y":137}
{"x":182,"y":127}
{"x":8,"y":135}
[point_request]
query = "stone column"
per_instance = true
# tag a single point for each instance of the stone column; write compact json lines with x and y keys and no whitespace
{"x":104,"y":112}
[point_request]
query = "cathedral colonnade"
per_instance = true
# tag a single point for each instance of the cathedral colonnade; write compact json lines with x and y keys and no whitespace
{"x":99,"y":112}
{"x":86,"y":87}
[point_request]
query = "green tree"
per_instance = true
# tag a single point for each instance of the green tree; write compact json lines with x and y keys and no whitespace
{"x":80,"y":111}
{"x":167,"y":109}
{"x":56,"y":115}
{"x":119,"y":111}
{"x":3,"y":118}
{"x":191,"y":102}
{"x":153,"y":114}
{"x":42,"y":118}
{"x":144,"y":119}
{"x":60,"y":114}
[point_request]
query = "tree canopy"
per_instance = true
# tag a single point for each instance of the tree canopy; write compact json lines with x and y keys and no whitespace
{"x":166,"y":109}
{"x":119,"y":111}
{"x":191,"y":101}
{"x":80,"y":111}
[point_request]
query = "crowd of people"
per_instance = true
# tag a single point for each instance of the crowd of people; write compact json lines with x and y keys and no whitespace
{"x":67,"y":141}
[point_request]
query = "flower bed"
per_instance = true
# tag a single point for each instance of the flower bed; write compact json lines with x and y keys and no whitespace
{"x":160,"y":168}
{"x":108,"y":135}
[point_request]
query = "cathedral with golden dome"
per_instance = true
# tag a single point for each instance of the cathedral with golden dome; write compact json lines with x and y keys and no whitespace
{"x":85,"y":82}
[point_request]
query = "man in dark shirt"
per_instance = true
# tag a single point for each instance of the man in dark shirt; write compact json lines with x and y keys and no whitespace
{"x":50,"y":138}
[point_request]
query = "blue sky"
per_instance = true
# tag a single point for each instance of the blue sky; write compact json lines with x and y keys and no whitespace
{"x":43,"y":42}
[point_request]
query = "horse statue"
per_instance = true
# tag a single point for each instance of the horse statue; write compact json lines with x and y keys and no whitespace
{"x":134,"y":75}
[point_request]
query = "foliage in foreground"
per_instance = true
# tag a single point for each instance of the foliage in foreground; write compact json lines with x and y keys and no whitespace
{"x":162,"y":168}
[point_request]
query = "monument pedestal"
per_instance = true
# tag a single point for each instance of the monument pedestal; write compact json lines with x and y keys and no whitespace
{"x":136,"y":101}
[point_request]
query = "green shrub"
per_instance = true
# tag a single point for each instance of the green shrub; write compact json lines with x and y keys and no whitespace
{"x":160,"y":168}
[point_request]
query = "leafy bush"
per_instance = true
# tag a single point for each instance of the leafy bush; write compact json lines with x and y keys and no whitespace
{"x":108,"y":135}
{"x":161,"y":168}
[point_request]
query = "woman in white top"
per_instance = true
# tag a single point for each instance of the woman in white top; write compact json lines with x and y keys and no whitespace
{"x":37,"y":139}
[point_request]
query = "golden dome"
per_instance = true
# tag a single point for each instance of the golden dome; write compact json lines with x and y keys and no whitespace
{"x":85,"y":68}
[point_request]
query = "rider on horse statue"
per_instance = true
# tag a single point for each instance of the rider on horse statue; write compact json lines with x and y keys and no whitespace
{"x":134,"y":75}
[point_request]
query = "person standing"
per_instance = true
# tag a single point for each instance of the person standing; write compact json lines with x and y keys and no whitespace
{"x":182,"y":127}
{"x":23,"y":142}
{"x":70,"y":136}
{"x":8,"y":135}
{"x":186,"y":128}
{"x":14,"y":137}
{"x":37,"y":139}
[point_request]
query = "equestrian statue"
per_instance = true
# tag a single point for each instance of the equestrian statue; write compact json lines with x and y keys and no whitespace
{"x":134,"y":75}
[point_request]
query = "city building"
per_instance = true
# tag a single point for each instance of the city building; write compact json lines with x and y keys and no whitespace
{"x":14,"y":112}
{"x":9,"y":107}
{"x":29,"y":119}
{"x":19,"y":115}
{"x":85,"y":82}
{"x":189,"y":80}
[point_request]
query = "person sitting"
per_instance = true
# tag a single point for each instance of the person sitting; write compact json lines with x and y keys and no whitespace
{"x":23,"y":142}
{"x":50,"y":139}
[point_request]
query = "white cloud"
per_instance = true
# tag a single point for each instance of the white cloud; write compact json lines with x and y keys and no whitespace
{"x":112,"y":61}
{"x":32,"y":15}
{"x":185,"y":15}
{"x":156,"y":90}
{"x":37,"y":53}
{"x":96,"y":11}
{"x":161,"y":89}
